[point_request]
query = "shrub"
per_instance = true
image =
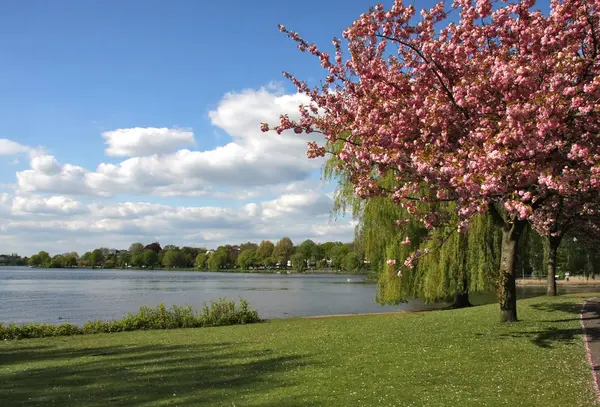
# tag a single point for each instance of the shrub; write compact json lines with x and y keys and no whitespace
{"x":217,"y":313}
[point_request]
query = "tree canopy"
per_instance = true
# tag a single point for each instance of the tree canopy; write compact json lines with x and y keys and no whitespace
{"x":497,"y":113}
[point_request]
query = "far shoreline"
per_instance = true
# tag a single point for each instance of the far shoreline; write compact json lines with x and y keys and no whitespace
{"x":573,"y":282}
{"x":193,"y":270}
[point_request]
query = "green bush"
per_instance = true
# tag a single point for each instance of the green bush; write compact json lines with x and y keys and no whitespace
{"x":217,"y":313}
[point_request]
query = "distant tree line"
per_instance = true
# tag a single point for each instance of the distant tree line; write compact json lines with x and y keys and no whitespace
{"x":333,"y":256}
{"x":12,"y":259}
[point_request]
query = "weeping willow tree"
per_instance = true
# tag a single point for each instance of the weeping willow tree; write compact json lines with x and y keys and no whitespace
{"x":456,"y":263}
{"x":453,"y":265}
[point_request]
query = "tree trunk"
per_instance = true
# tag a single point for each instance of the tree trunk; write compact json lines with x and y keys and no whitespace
{"x":553,"y":242}
{"x":589,"y":268}
{"x":461,"y":300}
{"x":508,"y":288}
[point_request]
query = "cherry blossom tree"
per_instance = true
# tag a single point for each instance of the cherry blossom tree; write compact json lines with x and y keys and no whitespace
{"x":498,"y":112}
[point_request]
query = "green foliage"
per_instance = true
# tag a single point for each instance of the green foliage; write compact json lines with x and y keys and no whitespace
{"x":217,"y":313}
{"x":136,"y":248}
{"x":57,"y":261}
{"x":298,"y":262}
{"x":352,"y":262}
{"x":246,"y":256}
{"x":124,"y":259}
{"x":34,"y":261}
{"x":137,"y":259}
{"x":149,"y":258}
{"x":270,"y":262}
{"x":201,"y":260}
{"x":96,"y":258}
{"x":576,"y":259}
{"x":338,"y":253}
{"x":265,"y":250}
{"x":310,"y":252}
{"x":173,"y":258}
{"x":283,"y":250}
{"x":42,"y":259}
{"x":71,"y":260}
{"x":247,"y":246}
{"x":327,"y":247}
{"x":456,"y":263}
{"x":217,"y":260}
{"x":247,"y":259}
{"x":459,"y":262}
{"x":13,"y":259}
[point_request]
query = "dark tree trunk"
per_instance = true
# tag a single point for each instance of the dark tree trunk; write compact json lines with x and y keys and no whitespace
{"x":462,"y":300}
{"x":553,"y":242}
{"x":508,"y":289}
{"x":589,"y":268}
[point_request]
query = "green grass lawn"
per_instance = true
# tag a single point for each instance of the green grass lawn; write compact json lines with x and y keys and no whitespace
{"x":442,"y":358}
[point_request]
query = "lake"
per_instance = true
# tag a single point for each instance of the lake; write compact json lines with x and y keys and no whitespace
{"x":76,"y":296}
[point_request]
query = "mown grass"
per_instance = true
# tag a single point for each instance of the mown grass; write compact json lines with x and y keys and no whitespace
{"x":443,"y":358}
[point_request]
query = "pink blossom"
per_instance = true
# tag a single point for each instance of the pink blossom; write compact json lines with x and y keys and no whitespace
{"x":391,"y":262}
{"x":459,"y":112}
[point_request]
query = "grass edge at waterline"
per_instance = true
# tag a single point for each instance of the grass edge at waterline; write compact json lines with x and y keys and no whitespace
{"x":216,"y":313}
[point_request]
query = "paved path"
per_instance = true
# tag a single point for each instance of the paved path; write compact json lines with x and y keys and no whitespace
{"x":590,"y":321}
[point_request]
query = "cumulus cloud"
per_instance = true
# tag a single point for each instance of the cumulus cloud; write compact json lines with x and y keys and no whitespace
{"x":140,"y":141}
{"x":47,"y":175}
{"x":55,"y":205}
{"x":299,"y":215}
{"x":252,"y":160}
{"x":9,"y":147}
{"x":268,"y":175}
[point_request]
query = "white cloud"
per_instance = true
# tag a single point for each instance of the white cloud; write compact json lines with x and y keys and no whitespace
{"x":9,"y":147}
{"x":47,"y":175}
{"x":140,"y":141}
{"x":55,"y":205}
{"x":268,"y":175}
{"x":252,"y":160}
{"x":299,"y":215}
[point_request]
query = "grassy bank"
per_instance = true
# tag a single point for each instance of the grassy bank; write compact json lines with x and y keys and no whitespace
{"x":573,"y":281}
{"x":216,"y":313}
{"x":445,"y":358}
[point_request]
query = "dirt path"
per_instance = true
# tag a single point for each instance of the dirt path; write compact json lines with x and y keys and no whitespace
{"x":590,"y":321}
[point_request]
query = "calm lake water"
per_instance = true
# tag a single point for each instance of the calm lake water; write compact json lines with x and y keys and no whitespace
{"x":76,"y":296}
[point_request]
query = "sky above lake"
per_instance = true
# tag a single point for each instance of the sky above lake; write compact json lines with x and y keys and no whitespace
{"x":125,"y":121}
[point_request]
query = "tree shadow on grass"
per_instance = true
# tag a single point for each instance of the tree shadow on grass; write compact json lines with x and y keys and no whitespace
{"x":551,"y":335}
{"x":183,"y":375}
{"x":547,"y":338}
{"x":566,"y":307}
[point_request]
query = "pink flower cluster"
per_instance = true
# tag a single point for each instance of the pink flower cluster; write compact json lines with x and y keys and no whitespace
{"x":501,"y":107}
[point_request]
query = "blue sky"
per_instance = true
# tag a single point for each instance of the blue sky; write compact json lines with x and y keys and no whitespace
{"x":73,"y":70}
{"x":79,"y":78}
